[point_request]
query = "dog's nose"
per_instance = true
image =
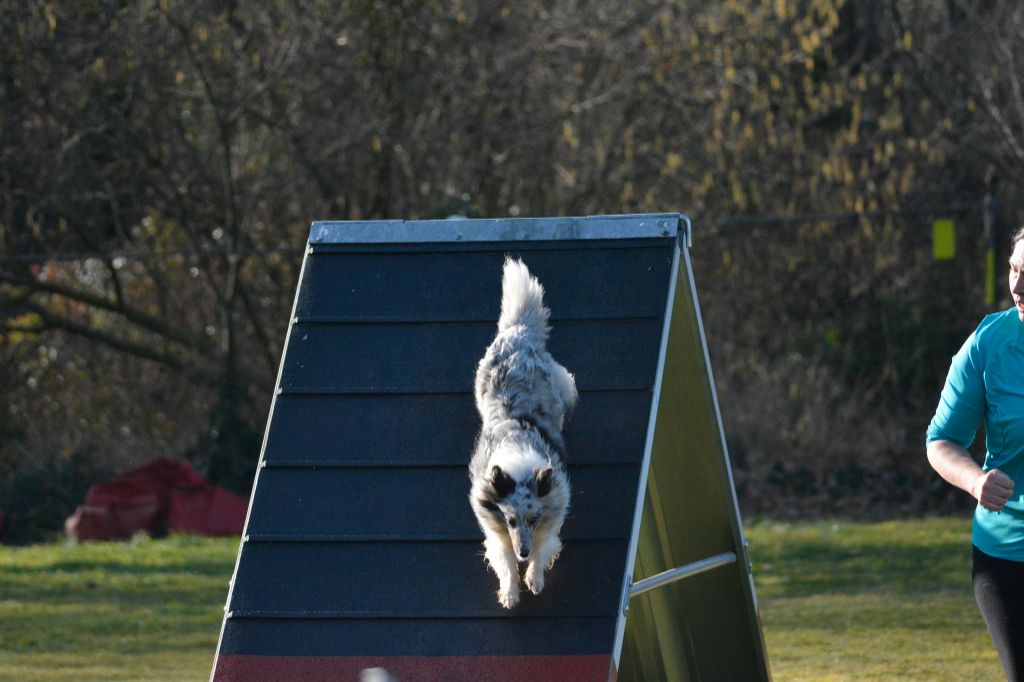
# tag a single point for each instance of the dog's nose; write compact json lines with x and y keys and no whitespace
{"x":524,"y":553}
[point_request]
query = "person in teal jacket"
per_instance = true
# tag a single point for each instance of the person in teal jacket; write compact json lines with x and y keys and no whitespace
{"x":986,"y":383}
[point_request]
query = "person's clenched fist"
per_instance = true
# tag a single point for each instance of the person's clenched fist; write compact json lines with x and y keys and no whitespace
{"x":992,"y":489}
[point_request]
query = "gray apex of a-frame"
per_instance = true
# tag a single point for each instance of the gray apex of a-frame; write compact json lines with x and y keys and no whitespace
{"x":498,"y":230}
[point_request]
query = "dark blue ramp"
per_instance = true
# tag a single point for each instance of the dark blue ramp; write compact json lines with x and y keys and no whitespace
{"x":360,"y":549}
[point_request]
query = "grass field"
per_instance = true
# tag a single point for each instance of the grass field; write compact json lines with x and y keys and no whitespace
{"x":140,"y":610}
{"x":839,"y":601}
{"x":881,"y":601}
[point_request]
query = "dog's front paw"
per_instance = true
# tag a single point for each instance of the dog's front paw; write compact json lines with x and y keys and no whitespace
{"x":509,"y":598}
{"x":534,"y":578}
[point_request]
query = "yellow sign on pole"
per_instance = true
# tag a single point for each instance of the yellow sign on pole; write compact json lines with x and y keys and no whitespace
{"x":944,"y":239}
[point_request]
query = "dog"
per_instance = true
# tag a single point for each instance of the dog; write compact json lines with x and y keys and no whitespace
{"x":519,"y":488}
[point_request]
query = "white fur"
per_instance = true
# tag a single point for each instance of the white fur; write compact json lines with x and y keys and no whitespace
{"x":520,"y":492}
{"x":522,"y":303}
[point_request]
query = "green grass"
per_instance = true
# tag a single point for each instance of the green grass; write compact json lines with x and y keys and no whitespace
{"x":139,"y":610}
{"x":878,"y":601}
{"x":838,"y":600}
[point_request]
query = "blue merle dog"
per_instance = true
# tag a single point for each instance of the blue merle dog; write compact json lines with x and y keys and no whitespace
{"x":520,"y":491}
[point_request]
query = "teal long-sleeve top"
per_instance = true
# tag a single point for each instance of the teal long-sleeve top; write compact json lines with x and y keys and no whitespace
{"x":986,"y":382}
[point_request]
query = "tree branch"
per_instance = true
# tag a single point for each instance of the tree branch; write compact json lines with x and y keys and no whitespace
{"x":146,"y":352}
{"x":137,"y":317}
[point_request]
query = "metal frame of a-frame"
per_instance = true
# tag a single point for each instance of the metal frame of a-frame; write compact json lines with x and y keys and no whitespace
{"x":690,"y":599}
{"x":360,"y":550}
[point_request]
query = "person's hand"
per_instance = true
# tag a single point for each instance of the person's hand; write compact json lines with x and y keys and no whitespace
{"x":992,"y":489}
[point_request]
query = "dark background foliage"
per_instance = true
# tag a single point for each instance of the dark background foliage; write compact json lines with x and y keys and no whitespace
{"x":160,"y":162}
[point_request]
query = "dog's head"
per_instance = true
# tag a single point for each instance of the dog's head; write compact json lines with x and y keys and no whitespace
{"x":525,"y":502}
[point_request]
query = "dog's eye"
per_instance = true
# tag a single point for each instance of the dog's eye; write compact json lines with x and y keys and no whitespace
{"x":512,"y":522}
{"x":533,"y":520}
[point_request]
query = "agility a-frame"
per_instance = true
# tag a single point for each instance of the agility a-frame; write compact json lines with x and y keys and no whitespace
{"x":360,"y":549}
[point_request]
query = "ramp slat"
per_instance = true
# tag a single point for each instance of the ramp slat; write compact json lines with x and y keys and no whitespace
{"x":406,"y":580}
{"x":416,"y":636}
{"x":603,"y":354}
{"x":563,"y":668}
{"x":384,"y":429}
{"x":467,"y":286}
{"x":422,"y":502}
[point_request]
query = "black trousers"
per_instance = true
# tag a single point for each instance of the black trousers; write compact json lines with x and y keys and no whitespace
{"x":999,"y":590}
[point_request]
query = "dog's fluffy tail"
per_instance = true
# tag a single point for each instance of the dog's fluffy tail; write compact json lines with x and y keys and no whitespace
{"x":522,"y":301}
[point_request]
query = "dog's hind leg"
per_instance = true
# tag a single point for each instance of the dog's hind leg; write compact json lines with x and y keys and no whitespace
{"x":544,"y":555}
{"x":502,"y":559}
{"x":564,"y":386}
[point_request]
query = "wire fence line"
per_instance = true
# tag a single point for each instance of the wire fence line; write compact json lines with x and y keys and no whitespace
{"x":729,"y":223}
{"x":842,"y":216}
{"x":144,"y":254}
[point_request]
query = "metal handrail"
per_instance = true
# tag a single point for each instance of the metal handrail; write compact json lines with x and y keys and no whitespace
{"x":680,"y":572}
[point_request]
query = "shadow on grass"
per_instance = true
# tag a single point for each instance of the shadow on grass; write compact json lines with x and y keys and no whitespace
{"x":130,"y":573}
{"x":191,"y":566}
{"x":823,"y":563}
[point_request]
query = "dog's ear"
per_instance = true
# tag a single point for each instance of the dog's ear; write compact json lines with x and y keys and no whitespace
{"x":502,"y":482}
{"x":543,"y":478}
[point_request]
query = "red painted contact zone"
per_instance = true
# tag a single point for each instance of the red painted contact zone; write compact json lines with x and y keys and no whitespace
{"x":415,"y":668}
